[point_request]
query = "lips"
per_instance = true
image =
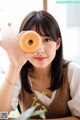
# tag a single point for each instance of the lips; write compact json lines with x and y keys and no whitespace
{"x":40,"y":58}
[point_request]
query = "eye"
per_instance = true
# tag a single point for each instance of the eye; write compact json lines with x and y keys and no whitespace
{"x":48,"y":39}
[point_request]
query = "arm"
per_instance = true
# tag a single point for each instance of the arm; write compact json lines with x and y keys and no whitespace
{"x":74,"y":82}
{"x":7,"y":89}
{"x":17,"y":59}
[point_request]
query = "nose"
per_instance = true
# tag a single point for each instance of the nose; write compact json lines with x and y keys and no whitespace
{"x":41,"y":50}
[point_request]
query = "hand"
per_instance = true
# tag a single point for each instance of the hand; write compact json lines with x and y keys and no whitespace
{"x":10,"y":42}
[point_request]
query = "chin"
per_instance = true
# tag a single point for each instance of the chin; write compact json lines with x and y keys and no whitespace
{"x":40,"y":66}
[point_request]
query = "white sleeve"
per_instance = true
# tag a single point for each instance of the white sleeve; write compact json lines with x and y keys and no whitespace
{"x":16,"y":93}
{"x":74,"y":82}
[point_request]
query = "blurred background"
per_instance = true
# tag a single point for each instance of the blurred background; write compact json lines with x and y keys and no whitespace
{"x":67,"y":15}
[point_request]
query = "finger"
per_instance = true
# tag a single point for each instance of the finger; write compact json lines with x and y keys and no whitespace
{"x":21,"y":33}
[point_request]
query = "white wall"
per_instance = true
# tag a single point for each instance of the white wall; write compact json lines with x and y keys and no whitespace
{"x":14,"y":11}
{"x":68,"y":18}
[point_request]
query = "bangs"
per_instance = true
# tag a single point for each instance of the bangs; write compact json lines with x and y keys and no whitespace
{"x":42,"y":25}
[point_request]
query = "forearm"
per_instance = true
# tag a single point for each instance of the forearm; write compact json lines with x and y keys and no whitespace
{"x":7,"y":89}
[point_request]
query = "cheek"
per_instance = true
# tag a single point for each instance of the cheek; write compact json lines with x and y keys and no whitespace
{"x":51,"y":51}
{"x":51,"y":48}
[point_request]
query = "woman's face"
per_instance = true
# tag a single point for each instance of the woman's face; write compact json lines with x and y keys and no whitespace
{"x":46,"y":53}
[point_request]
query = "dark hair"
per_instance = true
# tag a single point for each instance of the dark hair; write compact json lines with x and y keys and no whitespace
{"x":50,"y":28}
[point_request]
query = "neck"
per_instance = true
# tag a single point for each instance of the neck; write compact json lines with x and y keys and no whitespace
{"x":41,"y":73}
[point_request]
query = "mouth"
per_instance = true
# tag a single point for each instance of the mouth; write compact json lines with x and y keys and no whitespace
{"x":40,"y":58}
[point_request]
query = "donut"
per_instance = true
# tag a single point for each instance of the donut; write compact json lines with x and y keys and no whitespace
{"x":30,"y":41}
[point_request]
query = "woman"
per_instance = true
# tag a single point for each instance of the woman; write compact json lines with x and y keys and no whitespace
{"x":44,"y":71}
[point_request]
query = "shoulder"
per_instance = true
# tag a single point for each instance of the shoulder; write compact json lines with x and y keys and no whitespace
{"x":73,"y":69}
{"x":73,"y":66}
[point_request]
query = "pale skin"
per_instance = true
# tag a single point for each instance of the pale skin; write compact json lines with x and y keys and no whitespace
{"x":16,"y":63}
{"x":40,"y":70}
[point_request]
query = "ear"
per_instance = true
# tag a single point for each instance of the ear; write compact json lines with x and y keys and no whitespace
{"x":58,"y":43}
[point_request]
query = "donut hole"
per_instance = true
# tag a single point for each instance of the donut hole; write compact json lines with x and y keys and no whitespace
{"x":30,"y":42}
